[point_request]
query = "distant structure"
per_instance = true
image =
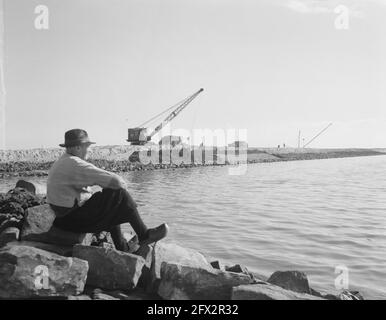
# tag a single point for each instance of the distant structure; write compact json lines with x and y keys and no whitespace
{"x":170,"y":141}
{"x":299,"y":137}
{"x":238,"y":144}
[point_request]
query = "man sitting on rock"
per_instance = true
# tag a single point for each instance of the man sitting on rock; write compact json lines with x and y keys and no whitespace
{"x":78,"y":210}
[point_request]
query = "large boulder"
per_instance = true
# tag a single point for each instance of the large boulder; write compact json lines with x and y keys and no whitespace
{"x":38,"y":220}
{"x":38,"y":227}
{"x":291,"y":280}
{"x":265,"y":291}
{"x":110,"y":268}
{"x":190,"y":283}
{"x":58,"y":249}
{"x":173,"y":253}
{"x":27,"y":272}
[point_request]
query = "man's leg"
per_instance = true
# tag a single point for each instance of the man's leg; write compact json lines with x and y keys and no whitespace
{"x":133,"y":216}
{"x":118,"y":238}
{"x":145,"y":235}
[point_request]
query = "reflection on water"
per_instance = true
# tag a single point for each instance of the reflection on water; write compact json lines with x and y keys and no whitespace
{"x":310,"y":216}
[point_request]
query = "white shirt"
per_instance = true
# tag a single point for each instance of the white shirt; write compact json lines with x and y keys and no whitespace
{"x":70,"y":177}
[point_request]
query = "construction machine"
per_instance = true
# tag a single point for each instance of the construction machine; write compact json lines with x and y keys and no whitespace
{"x":140,"y":135}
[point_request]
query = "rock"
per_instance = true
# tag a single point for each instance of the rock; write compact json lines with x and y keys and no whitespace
{"x":80,"y":297}
{"x":27,"y":272}
{"x":328,"y":296}
{"x":38,"y":220}
{"x":38,"y":227}
{"x":11,"y":223}
{"x":291,"y":280}
{"x":172,"y":253}
{"x":14,"y":209}
{"x":190,"y":283}
{"x":65,"y":251}
{"x":350,"y":295}
{"x":317,"y":293}
{"x":29,"y":186}
{"x":132,"y":241}
{"x":4,"y":217}
{"x":261,"y":291}
{"x":217,"y":265}
{"x":258,"y":277}
{"x":107,"y":245}
{"x":17,"y":200}
{"x":9,"y":235}
{"x":60,"y":237}
{"x":110,"y":268}
{"x":102,"y":239}
{"x":118,"y":295}
{"x":135,"y":294}
{"x":103,"y":296}
{"x":237,"y":268}
{"x":146,"y":252}
{"x":242,"y":269}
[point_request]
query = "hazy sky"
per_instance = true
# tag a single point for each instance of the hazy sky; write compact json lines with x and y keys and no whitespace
{"x":273,"y":67}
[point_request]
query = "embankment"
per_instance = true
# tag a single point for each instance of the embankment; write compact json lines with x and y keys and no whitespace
{"x":36,"y":162}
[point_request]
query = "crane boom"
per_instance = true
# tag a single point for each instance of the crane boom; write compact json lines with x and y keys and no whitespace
{"x":139,"y":136}
{"x":329,"y":125}
{"x":175,"y":112}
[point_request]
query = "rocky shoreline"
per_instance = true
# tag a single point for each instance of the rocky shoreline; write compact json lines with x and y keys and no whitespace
{"x":36,"y":163}
{"x":38,"y":261}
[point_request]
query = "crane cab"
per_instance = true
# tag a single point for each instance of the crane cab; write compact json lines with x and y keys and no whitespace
{"x":137,"y":136}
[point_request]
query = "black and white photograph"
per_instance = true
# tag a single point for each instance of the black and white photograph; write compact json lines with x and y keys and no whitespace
{"x":218,"y":151}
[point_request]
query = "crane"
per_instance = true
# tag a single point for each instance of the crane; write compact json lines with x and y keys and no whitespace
{"x":138,"y":136}
{"x":305,"y":145}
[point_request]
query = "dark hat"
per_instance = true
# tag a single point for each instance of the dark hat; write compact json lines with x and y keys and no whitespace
{"x":75,"y":137}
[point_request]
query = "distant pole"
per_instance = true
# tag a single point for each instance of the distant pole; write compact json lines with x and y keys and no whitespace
{"x":2,"y":85}
{"x":299,"y":140}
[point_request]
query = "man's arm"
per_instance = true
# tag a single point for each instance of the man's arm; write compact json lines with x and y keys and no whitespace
{"x":87,"y":175}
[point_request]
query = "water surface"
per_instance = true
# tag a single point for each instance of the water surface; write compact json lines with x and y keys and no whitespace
{"x":310,"y":216}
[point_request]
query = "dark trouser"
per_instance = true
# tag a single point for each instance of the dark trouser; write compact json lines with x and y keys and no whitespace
{"x":106,"y":210}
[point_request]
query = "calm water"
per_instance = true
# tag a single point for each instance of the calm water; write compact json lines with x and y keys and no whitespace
{"x":310,"y":216}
